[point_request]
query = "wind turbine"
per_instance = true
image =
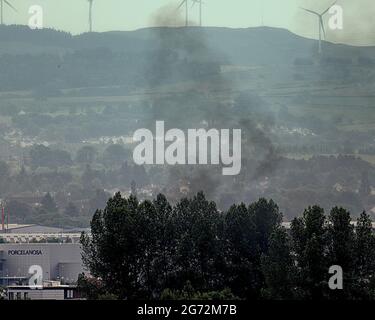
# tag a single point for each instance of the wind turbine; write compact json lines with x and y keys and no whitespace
{"x":200,"y":2}
{"x":185,"y":2}
{"x":321,"y":23}
{"x":2,"y":2}
{"x":90,"y":14}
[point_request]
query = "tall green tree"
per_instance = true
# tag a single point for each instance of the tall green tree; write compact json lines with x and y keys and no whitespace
{"x":309,"y":239}
{"x":198,"y":224}
{"x":364,"y":255}
{"x":241,"y":250}
{"x":267,"y":218}
{"x":341,"y":248}
{"x":165,"y":242}
{"x":48,"y":203}
{"x":278,"y":268}
{"x":112,"y":253}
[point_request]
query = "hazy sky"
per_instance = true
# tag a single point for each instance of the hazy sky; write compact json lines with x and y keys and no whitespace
{"x":72,"y":15}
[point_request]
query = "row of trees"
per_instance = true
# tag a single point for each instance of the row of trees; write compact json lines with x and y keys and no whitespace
{"x":42,"y":156}
{"x":47,"y":212}
{"x":153,"y":250}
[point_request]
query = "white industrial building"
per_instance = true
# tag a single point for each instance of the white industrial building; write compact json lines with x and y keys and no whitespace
{"x":55,"y":252}
{"x":58,"y":261}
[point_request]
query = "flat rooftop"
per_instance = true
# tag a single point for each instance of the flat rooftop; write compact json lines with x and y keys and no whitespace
{"x":34,"y":228}
{"x":12,"y":226}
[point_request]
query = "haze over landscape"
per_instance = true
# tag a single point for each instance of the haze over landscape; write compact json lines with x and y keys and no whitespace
{"x":126,"y":15}
{"x":71,"y":103}
{"x":74,"y":93}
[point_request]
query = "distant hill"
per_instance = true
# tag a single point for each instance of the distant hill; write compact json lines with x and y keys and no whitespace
{"x":94,"y":59}
{"x":260,"y":43}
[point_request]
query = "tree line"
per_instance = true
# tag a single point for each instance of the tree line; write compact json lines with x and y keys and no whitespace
{"x":191,"y":250}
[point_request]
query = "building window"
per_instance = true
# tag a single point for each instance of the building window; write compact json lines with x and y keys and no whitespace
{"x":26,"y":296}
{"x":11,"y":295}
{"x":69,"y":294}
{"x":19,"y":296}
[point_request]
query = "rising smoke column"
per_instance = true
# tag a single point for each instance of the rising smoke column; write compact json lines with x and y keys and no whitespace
{"x":207,"y":96}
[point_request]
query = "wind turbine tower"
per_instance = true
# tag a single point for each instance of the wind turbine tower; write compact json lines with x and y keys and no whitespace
{"x":200,"y":2}
{"x":186,"y":3}
{"x":321,"y":23}
{"x":90,"y":14}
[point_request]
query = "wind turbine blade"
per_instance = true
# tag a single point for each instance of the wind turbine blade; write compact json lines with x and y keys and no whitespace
{"x":10,"y":5}
{"x":322,"y":25}
{"x":181,"y":4}
{"x":313,"y":12}
{"x":329,"y":8}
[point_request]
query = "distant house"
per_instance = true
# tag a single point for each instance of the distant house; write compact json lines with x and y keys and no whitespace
{"x":340,"y":188}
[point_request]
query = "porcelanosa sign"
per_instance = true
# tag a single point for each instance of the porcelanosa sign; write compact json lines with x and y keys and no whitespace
{"x":25,"y":252}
